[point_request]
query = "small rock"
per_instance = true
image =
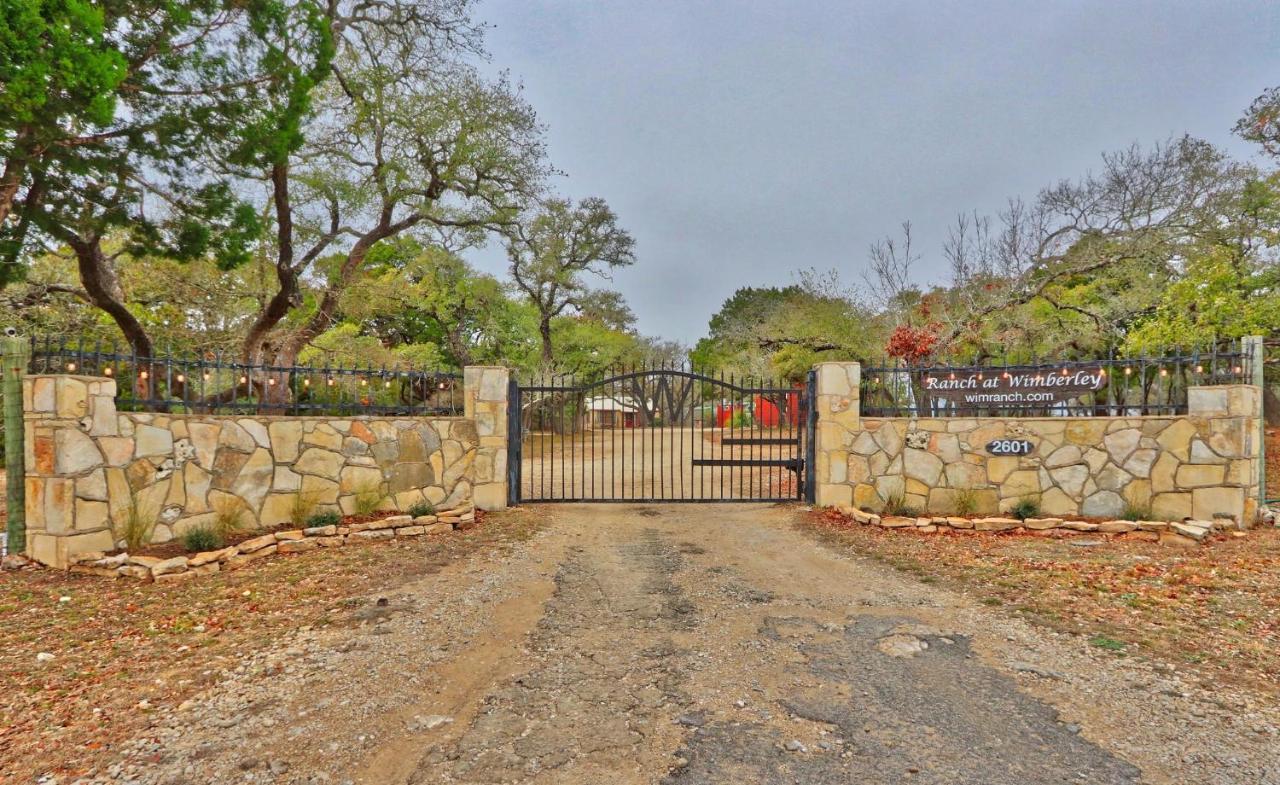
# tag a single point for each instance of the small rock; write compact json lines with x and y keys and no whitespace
{"x":45,"y":656}
{"x":794,"y":745}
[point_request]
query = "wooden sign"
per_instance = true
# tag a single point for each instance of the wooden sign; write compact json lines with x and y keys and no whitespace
{"x":996,"y":387}
{"x":1010,"y":447}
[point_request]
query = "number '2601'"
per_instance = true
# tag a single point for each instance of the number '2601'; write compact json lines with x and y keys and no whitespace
{"x":1010,"y":447}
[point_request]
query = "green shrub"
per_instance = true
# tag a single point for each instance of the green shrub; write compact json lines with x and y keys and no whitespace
{"x":422,"y":508}
{"x":326,"y":518}
{"x":202,"y":538}
{"x":1025,"y":508}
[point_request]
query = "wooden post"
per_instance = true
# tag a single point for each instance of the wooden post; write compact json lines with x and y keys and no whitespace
{"x":15,"y":366}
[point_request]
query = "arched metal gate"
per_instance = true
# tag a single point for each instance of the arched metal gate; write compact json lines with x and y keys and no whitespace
{"x":660,"y":435}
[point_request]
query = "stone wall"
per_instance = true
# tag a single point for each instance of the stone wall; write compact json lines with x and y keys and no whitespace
{"x":1202,"y":465}
{"x":89,"y":465}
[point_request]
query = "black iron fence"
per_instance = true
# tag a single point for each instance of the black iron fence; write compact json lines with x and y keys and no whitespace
{"x":212,"y":384}
{"x":1110,"y":387}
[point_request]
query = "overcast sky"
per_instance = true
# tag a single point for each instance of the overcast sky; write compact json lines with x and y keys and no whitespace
{"x":740,"y":141}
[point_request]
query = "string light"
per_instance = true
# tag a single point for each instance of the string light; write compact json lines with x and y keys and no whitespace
{"x":271,"y":382}
{"x":244,"y":379}
{"x":1127,"y":370}
{"x":1237,"y":369}
{"x":1199,"y":369}
{"x":306,"y":382}
{"x":387,"y":384}
{"x":364,"y":382}
{"x":143,"y":375}
{"x":1164,"y":371}
{"x":71,"y":367}
{"x":442,"y":385}
{"x":206,"y":376}
{"x":108,"y":370}
{"x":331,"y":382}
{"x":181,"y":378}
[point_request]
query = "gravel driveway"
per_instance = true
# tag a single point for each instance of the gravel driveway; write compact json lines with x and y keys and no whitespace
{"x":696,"y":644}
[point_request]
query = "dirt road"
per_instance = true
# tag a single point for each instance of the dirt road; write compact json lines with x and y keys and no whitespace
{"x":691,"y":644}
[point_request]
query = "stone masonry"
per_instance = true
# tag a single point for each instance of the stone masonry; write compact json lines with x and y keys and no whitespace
{"x":1203,"y":465}
{"x":88,"y":465}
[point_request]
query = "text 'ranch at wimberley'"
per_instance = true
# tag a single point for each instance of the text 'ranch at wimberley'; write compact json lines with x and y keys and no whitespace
{"x":1044,"y":386}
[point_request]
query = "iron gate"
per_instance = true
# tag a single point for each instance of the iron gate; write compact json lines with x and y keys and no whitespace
{"x":659,"y":435}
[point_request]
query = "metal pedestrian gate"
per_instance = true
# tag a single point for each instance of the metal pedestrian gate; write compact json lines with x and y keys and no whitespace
{"x":659,"y":435}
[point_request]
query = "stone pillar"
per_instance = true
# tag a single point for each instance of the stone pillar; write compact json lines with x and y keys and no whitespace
{"x":66,"y":484}
{"x":486,"y":393}
{"x":839,"y":416}
{"x":1230,"y":434}
{"x":1255,"y":350}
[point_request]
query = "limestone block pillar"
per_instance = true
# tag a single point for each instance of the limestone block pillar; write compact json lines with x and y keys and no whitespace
{"x":486,"y":400}
{"x":839,"y":416}
{"x":1230,"y":417}
{"x":66,"y":489}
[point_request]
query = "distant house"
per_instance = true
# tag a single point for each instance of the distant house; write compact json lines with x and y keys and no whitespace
{"x":612,"y":411}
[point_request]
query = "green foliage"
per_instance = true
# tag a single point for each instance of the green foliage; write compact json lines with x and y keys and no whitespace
{"x":740,"y":419}
{"x":1221,"y":294}
{"x":201,"y":538}
{"x":326,"y":518}
{"x":1026,"y":507}
{"x":1109,"y":644}
{"x":422,"y":508}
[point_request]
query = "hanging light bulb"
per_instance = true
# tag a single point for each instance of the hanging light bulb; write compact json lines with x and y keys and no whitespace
{"x":244,"y":379}
{"x":1164,"y":371}
{"x":181,"y":378}
{"x":387,"y":384}
{"x":143,"y":374}
{"x":306,"y":382}
{"x":1127,"y":370}
{"x":71,"y":367}
{"x":1199,"y":369}
{"x":108,"y":371}
{"x":271,"y":382}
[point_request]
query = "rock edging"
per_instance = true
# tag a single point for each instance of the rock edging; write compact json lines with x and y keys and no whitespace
{"x":180,"y":569}
{"x":1185,"y":533}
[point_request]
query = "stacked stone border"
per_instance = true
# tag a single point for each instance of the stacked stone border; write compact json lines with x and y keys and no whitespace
{"x":1186,"y":533}
{"x":90,"y":470}
{"x":1203,"y":467}
{"x":178,"y":569}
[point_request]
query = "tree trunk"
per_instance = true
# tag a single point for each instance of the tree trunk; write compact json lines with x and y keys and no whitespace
{"x":102,"y":285}
{"x":544,"y":329}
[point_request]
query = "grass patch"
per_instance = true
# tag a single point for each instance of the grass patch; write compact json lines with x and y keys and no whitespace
{"x":896,"y":504}
{"x":303,"y":508}
{"x":1110,"y":644}
{"x":966,"y":501}
{"x":136,"y":526}
{"x":229,"y":518}
{"x":368,"y":497}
